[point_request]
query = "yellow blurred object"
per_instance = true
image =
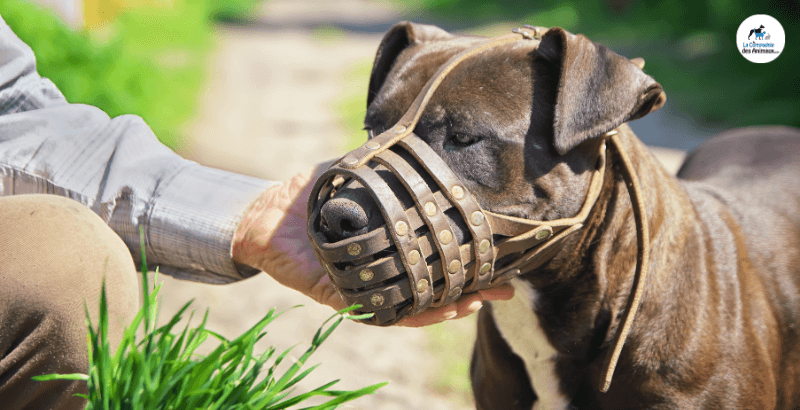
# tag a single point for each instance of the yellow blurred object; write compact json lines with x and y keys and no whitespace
{"x":97,"y":13}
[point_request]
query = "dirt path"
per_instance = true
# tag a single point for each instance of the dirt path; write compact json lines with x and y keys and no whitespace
{"x":267,"y":112}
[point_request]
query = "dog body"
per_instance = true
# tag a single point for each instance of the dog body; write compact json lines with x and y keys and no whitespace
{"x":718,"y":326}
{"x":719,"y":321}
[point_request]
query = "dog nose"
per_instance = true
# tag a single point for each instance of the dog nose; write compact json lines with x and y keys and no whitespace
{"x":343,"y":218}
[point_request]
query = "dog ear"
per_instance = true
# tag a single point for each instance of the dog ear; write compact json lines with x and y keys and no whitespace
{"x":397,"y":39}
{"x":597,"y":89}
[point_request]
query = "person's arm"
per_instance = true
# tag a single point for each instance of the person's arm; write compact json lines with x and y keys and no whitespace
{"x":121,"y":171}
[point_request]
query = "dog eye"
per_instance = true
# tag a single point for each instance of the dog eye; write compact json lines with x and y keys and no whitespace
{"x":463,"y":140}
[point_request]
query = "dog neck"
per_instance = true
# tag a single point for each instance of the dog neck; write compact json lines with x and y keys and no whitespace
{"x":582,"y":292}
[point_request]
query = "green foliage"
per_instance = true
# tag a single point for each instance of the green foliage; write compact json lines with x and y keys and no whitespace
{"x":150,"y":61}
{"x":327,"y":33}
{"x":689,"y":46}
{"x":351,"y":106}
{"x":162,"y":371}
{"x":231,"y":10}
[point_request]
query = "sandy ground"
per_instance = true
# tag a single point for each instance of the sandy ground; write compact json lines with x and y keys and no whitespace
{"x":267,"y":111}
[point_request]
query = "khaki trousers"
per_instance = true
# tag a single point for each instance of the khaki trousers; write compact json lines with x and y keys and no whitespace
{"x":54,"y":254}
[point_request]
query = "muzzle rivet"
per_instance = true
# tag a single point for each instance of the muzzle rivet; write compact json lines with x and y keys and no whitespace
{"x":401,"y":228}
{"x":354,"y":249}
{"x":422,"y":285}
{"x":366,"y":275}
{"x":483,"y":247}
{"x":350,"y":160}
{"x":523,"y":33}
{"x":485,"y":268}
{"x":377,"y":299}
{"x":476,"y":218}
{"x":413,"y":257}
{"x":400,"y":128}
{"x":455,"y":292}
{"x":430,"y":208}
{"x":372,"y":145}
{"x":445,"y":236}
{"x":543,"y":235}
{"x":457,"y":192}
{"x":454,"y":266}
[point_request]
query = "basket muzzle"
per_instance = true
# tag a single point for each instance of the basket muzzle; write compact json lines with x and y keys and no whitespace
{"x":434,"y":241}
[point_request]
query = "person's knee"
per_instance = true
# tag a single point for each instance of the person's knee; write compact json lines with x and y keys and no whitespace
{"x":55,"y":255}
{"x":61,"y":254}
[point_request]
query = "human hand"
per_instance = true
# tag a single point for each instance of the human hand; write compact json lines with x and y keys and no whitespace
{"x":272,"y":237}
{"x":464,"y":306}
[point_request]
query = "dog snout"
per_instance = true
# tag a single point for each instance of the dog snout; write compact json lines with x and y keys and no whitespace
{"x":346,"y":215}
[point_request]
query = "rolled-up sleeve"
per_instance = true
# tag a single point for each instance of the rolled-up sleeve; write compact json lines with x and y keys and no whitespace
{"x":120,"y":170}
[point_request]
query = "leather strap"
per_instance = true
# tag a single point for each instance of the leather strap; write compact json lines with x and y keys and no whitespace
{"x":467,"y":205}
{"x":436,"y":220}
{"x":643,"y":245}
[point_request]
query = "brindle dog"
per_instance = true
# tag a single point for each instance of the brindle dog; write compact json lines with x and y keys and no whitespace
{"x":719,"y":322}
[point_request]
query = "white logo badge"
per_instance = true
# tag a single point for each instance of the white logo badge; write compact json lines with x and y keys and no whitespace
{"x":760,"y":38}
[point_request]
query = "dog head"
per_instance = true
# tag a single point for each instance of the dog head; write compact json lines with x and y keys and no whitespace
{"x":515,"y":122}
{"x":508,"y":121}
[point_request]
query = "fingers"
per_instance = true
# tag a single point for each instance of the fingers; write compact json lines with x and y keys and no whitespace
{"x":500,"y":292}
{"x":324,"y":292}
{"x":334,"y":301}
{"x":464,"y":306}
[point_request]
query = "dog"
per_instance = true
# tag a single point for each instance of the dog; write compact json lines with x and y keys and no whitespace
{"x":757,"y":31}
{"x":719,"y":320}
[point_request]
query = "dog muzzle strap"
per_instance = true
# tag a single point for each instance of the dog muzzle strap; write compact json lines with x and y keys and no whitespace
{"x":415,"y":261}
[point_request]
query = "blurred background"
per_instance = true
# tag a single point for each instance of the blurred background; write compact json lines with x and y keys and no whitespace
{"x":269,"y":88}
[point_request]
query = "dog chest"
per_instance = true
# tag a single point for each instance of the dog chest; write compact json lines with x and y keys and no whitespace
{"x":520,"y":327}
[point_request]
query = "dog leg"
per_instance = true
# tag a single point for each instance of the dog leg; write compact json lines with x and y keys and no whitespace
{"x":499,"y":379}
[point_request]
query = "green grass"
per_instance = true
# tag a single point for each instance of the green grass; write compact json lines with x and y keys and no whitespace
{"x":162,"y":370}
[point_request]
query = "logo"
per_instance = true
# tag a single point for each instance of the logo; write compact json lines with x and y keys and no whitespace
{"x":760,"y":38}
